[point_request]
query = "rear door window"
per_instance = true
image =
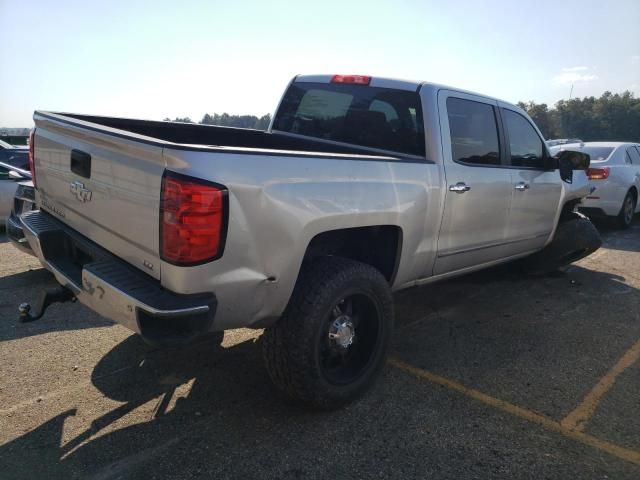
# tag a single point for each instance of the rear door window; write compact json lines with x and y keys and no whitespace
{"x":474,"y":132}
{"x":634,"y":155}
{"x":380,"y":118}
{"x":524,"y":142}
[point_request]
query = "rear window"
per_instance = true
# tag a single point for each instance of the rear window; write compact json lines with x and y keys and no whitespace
{"x":381,"y":118}
{"x":597,"y":154}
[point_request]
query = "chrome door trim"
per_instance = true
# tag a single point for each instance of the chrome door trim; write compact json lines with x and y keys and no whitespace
{"x":491,"y":245}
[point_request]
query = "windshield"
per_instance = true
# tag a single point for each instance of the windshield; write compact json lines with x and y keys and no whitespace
{"x":381,"y":118}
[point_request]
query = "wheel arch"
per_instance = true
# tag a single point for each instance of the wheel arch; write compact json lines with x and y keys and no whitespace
{"x":568,"y":211}
{"x":377,"y":245}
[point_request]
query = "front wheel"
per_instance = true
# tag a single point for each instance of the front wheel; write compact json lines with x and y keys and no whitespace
{"x":330,"y":344}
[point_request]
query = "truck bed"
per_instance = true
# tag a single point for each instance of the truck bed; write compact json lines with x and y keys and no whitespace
{"x":211,"y":135}
{"x":102,"y":175}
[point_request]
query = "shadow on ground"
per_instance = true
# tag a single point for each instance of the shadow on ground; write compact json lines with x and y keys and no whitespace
{"x":616,"y":239}
{"x":27,"y":287}
{"x":541,"y":343}
{"x":230,"y":388}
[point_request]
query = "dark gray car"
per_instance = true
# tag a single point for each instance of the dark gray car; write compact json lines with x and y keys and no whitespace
{"x":23,"y":201}
{"x":14,"y":155}
{"x":9,"y":178}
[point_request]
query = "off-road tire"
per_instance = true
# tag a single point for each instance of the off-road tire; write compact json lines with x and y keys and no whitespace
{"x":291,"y":348}
{"x":575,"y":238}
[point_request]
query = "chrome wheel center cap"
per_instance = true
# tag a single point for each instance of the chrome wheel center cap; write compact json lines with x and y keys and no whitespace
{"x":342,"y":332}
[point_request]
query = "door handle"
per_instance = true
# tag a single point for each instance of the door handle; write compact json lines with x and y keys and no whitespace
{"x":459,"y":187}
{"x":522,"y":186}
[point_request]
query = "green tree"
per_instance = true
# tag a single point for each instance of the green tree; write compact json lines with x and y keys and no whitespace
{"x":263,"y":122}
{"x":611,"y":117}
{"x":542,"y":116}
{"x":238,"y":121}
{"x":179,"y":119}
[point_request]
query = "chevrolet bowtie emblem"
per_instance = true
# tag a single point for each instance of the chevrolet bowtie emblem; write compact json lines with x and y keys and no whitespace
{"x":82,"y":194}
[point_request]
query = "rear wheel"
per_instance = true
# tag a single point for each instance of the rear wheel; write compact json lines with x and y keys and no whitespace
{"x":330,"y":344}
{"x":625,"y":217}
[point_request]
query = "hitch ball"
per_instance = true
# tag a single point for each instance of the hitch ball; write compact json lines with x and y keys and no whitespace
{"x":24,"y":309}
{"x":55,"y":295}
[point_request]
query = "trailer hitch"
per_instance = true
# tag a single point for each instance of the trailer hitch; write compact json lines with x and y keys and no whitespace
{"x":58,"y":294}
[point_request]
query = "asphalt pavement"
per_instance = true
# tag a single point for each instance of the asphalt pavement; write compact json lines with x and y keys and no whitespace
{"x":491,"y":375}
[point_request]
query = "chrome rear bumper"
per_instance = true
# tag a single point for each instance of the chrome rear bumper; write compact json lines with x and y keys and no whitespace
{"x":115,"y":289}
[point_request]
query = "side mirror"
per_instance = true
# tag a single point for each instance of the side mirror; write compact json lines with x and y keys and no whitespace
{"x":550,"y":163}
{"x":570,"y":160}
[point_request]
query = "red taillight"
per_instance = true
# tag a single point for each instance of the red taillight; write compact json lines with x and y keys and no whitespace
{"x":192,"y":220}
{"x":598,"y":173}
{"x":353,"y":79}
{"x":32,"y":164}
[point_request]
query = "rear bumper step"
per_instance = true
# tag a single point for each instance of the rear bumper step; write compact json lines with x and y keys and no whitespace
{"x":115,"y":289}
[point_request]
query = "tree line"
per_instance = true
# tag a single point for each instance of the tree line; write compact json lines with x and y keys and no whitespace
{"x":610,"y":117}
{"x":226,"y":120}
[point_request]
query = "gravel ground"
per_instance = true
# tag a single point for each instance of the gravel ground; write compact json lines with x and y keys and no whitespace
{"x":484,"y":369}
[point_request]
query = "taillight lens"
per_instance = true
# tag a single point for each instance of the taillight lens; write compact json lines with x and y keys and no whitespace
{"x":598,"y":173}
{"x":193,"y":216}
{"x":352,"y":79}
{"x":32,"y":164}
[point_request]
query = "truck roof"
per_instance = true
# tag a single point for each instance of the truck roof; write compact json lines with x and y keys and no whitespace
{"x":396,"y":83}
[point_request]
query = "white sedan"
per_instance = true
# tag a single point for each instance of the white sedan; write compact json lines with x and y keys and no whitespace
{"x":9,"y":178}
{"x":615,"y":174}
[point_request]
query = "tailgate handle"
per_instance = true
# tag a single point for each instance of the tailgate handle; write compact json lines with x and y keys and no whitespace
{"x":81,"y":163}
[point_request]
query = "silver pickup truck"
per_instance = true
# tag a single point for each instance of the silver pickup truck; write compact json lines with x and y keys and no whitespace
{"x":361,"y":186}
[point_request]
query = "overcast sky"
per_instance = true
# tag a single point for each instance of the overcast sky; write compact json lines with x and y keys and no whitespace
{"x":186,"y":58}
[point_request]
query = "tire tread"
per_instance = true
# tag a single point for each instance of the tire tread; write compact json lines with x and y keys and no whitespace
{"x":286,"y":344}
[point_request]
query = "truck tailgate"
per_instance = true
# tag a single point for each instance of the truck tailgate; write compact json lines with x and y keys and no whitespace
{"x":104,"y":186}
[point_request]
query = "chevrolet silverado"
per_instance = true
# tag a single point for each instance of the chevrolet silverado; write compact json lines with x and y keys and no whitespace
{"x":361,"y":186}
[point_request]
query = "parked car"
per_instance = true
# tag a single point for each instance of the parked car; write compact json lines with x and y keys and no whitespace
{"x":562,"y":141}
{"x":16,"y":156}
{"x":24,"y":201}
{"x":361,"y":186}
{"x":9,"y":178}
{"x":615,"y":173}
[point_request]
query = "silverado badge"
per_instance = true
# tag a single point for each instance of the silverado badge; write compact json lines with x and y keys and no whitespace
{"x":82,"y":194}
